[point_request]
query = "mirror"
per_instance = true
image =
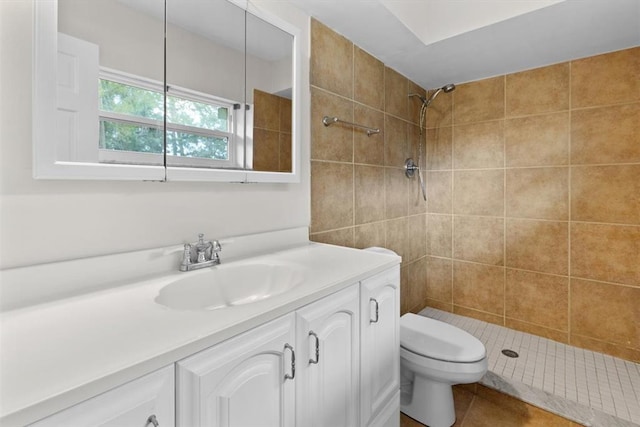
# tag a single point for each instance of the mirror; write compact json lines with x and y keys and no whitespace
{"x":269,"y":92}
{"x":110,"y":82}
{"x":163,"y":90}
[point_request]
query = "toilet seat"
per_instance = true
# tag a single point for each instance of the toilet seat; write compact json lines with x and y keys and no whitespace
{"x":439,"y":340}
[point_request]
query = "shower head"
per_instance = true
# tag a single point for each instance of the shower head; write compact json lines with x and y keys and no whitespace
{"x":446,"y":89}
{"x":427,"y":101}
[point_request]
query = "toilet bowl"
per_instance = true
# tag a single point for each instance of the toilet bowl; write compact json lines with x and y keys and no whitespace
{"x":434,"y":356}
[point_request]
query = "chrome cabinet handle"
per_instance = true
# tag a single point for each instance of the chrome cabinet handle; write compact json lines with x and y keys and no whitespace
{"x":152,"y":420}
{"x":293,"y":363}
{"x":311,"y":361}
{"x":377,"y":311}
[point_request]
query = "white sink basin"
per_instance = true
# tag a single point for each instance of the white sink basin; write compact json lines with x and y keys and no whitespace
{"x":229,"y":285}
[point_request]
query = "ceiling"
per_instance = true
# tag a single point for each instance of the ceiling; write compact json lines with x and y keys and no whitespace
{"x":434,"y":42}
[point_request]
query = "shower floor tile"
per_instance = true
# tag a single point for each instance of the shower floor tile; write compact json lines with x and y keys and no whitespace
{"x":590,"y":388}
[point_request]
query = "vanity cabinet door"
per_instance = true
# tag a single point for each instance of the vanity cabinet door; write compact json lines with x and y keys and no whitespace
{"x":327,"y":389}
{"x":138,"y":403}
{"x":242,"y":382}
{"x":380,"y":340}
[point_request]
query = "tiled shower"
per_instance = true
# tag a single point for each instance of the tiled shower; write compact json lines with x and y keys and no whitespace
{"x":533,"y":181}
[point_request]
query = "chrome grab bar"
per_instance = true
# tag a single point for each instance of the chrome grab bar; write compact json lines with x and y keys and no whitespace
{"x":328,"y":121}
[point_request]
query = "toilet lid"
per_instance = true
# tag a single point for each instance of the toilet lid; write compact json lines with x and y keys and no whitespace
{"x":438,"y":340}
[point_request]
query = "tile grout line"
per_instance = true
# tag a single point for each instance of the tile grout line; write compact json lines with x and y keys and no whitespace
{"x":504,"y":210}
{"x":570,"y":213}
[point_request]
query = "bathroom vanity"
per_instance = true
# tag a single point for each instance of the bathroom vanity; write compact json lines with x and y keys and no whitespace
{"x":325,"y":351}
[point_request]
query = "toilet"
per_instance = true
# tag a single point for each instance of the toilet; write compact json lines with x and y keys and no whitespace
{"x":433,"y":357}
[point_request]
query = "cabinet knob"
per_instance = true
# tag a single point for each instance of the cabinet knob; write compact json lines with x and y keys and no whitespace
{"x":153,"y":420}
{"x":293,"y":363}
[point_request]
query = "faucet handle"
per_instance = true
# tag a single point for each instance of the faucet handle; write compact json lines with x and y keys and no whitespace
{"x":217,"y":247}
{"x":186,"y":255}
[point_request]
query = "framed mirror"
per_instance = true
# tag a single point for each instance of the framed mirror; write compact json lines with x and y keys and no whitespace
{"x":184,"y":90}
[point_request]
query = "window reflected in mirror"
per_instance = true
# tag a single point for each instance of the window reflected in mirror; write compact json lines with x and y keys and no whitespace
{"x":205,"y":84}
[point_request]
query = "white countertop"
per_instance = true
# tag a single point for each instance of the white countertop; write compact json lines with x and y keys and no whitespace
{"x":57,"y":354}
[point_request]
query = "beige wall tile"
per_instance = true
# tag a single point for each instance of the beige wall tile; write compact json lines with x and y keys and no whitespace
{"x":267,"y":110}
{"x":369,"y":80}
{"x":417,"y":233}
{"x":396,"y":91}
{"x":542,"y":90}
{"x":617,"y":321}
{"x":606,"y":79}
{"x":606,"y":135}
{"x":417,"y":203}
{"x":396,"y":193}
{"x":266,"y":150}
{"x":537,"y":140}
{"x":541,"y":331}
{"x":397,"y":235}
{"x":479,"y":145}
{"x":439,"y":143}
{"x":417,"y":283}
{"x":479,"y":101}
{"x":537,"y":298}
{"x":606,"y":194}
{"x":333,"y":142}
{"x":479,"y":192}
{"x":541,"y":193}
{"x":439,"y":235}
{"x":286,"y":161}
{"x":615,"y":350}
{"x":416,"y":143}
{"x":396,"y":144}
{"x":414,"y":103}
{"x":439,"y":279}
{"x":478,"y":239}
{"x":286,"y":116}
{"x":439,"y":192}
{"x":478,"y":286}
{"x":368,"y":149}
{"x":368,"y":235}
{"x":404,"y":291}
{"x":440,"y":111}
{"x":610,"y":253}
{"x":331,"y":64}
{"x":369,"y":194}
{"x":538,"y":245}
{"x":342,"y":237}
{"x":331,"y":196}
{"x":440,"y":305}
{"x":480,"y":315}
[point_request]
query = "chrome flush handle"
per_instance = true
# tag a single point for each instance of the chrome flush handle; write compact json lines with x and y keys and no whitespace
{"x":152,"y":420}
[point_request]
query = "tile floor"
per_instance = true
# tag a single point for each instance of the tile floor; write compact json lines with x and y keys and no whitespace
{"x":588,"y":387}
{"x":479,"y":406}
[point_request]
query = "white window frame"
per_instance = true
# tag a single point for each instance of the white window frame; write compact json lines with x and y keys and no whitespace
{"x":132,"y":157}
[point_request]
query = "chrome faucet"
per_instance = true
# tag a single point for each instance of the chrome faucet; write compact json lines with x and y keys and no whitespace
{"x":200,"y":254}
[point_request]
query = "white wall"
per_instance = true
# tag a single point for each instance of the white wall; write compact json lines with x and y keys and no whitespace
{"x":44,"y":221}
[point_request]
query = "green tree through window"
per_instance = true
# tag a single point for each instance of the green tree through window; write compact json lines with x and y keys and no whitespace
{"x":132,"y":120}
